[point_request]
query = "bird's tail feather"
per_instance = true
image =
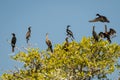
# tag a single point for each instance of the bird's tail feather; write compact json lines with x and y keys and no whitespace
{"x":73,"y":37}
{"x":92,"y":21}
{"x":51,"y":49}
{"x":12,"y":49}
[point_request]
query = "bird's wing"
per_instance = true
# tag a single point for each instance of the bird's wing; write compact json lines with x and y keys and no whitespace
{"x":94,"y":33}
{"x":28,"y":34}
{"x":104,"y":19}
{"x":95,"y":20}
{"x":70,"y":32}
{"x":112,"y":31}
{"x":49,"y":43}
{"x":13,"y":41}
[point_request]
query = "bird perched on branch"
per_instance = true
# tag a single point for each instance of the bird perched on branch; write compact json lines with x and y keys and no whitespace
{"x":65,"y":47}
{"x":67,"y":42}
{"x":95,"y":35}
{"x":28,"y":34}
{"x":48,"y":42}
{"x":13,"y":41}
{"x":107,"y":34}
{"x":100,"y":18}
{"x":69,"y":32}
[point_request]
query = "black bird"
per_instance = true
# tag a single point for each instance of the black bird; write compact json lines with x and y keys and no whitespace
{"x":65,"y":47}
{"x":100,"y":18}
{"x":48,"y":42}
{"x":112,"y":31}
{"x":13,"y":42}
{"x":67,"y":42}
{"x":28,"y":34}
{"x":107,"y":34}
{"x":102,"y":34}
{"x":69,"y":32}
{"x":95,"y":36}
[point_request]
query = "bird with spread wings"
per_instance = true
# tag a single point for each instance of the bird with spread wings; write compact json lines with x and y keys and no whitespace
{"x":107,"y":34}
{"x":100,"y":18}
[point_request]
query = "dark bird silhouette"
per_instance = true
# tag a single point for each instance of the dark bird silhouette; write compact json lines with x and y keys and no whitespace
{"x":66,"y":44}
{"x":112,"y":31}
{"x":102,"y":34}
{"x":69,"y":32}
{"x":13,"y":42}
{"x":100,"y":18}
{"x":28,"y":34}
{"x":95,"y":35}
{"x":48,"y":42}
{"x":107,"y":34}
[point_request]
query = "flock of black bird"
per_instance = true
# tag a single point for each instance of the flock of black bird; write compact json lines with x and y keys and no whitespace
{"x":106,"y":34}
{"x":100,"y":18}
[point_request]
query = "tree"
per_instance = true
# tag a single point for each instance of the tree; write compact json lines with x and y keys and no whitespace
{"x":82,"y":60}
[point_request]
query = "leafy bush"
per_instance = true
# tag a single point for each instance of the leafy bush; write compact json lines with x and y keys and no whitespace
{"x":76,"y":61}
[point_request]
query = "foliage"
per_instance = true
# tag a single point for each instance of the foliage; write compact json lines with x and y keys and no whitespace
{"x":77,"y":61}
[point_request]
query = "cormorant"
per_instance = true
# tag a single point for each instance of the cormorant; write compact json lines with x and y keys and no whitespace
{"x":100,"y":18}
{"x":107,"y":34}
{"x":48,"y":42}
{"x":69,"y":32}
{"x":13,"y":41}
{"x":95,"y":36}
{"x":112,"y":31}
{"x":28,"y":34}
{"x":66,"y":44}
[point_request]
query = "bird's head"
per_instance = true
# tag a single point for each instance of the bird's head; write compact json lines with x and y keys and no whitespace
{"x":97,"y":14}
{"x":13,"y":34}
{"x":29,"y":28}
{"x":68,"y":26}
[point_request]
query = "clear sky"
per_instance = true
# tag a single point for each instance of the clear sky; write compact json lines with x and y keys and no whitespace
{"x":51,"y":16}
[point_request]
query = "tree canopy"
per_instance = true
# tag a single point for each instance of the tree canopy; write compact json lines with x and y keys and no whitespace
{"x":82,"y":60}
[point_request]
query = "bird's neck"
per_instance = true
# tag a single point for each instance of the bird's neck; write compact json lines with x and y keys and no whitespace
{"x":29,"y":30}
{"x":105,"y":29}
{"x":67,"y":29}
{"x":47,"y":37}
{"x":93,"y":28}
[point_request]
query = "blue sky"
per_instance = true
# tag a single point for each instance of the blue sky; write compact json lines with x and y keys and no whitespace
{"x":51,"y":16}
